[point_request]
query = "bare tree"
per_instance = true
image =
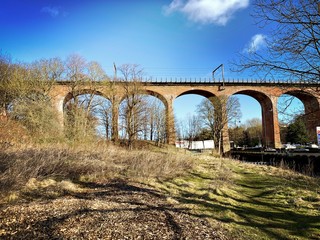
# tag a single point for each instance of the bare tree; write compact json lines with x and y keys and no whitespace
{"x":154,"y":120}
{"x":157,"y":122}
{"x":95,"y":75}
{"x":207,"y":113}
{"x":83,"y":77}
{"x":254,"y":131}
{"x":75,"y":71}
{"x":292,"y":45}
{"x":15,"y":82}
{"x":134,"y":105}
{"x":7,"y":93}
{"x":216,"y":113}
{"x":145,"y":122}
{"x":96,"y":72}
{"x":288,"y":111}
{"x":107,"y":121}
{"x":103,"y":111}
{"x":45,"y":73}
{"x":179,"y":127}
{"x":193,"y":128}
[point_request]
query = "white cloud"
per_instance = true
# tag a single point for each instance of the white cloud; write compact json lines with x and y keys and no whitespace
{"x":257,"y":42}
{"x":207,"y":11}
{"x":53,"y":11}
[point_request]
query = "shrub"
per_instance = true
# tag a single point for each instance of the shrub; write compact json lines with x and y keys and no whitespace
{"x":38,"y":118}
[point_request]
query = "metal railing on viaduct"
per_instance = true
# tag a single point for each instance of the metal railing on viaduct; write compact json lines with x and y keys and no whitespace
{"x":204,"y":80}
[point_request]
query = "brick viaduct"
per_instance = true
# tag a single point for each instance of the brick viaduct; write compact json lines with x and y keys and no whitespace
{"x":266,"y":93}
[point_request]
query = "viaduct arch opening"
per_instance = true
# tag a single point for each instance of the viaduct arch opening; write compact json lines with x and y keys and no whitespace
{"x":144,"y":116}
{"x":247,"y":131}
{"x":87,"y":113}
{"x":270,"y":126}
{"x":197,"y":127}
{"x":187,"y":123}
{"x":311,"y":113}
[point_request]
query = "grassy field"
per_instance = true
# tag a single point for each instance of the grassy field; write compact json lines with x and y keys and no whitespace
{"x":241,"y":201}
{"x":249,"y":201}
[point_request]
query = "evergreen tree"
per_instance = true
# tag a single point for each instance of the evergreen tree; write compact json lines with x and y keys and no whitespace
{"x":297,"y":132}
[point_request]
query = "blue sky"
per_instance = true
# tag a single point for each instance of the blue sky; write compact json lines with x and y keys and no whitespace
{"x":165,"y":37}
{"x":161,"y":38}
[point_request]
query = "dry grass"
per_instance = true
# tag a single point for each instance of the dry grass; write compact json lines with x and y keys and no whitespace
{"x":12,"y":132}
{"x":20,"y":167}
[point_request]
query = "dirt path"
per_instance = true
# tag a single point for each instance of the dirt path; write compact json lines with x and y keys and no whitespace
{"x":115,"y":210}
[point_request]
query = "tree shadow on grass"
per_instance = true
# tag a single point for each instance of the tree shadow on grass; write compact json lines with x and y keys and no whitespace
{"x":254,"y":208}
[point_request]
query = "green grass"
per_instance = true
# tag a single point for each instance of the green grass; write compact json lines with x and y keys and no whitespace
{"x":249,"y":202}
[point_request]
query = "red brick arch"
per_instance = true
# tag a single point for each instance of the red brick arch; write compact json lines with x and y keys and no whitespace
{"x":265,"y":93}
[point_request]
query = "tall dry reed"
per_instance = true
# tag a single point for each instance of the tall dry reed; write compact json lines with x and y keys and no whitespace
{"x":96,"y":161}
